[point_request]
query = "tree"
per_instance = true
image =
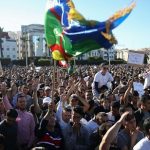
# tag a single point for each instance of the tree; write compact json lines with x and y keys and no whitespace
{"x":1,"y":41}
{"x":146,"y":59}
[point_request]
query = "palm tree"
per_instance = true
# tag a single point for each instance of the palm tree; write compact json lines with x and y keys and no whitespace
{"x":1,"y":41}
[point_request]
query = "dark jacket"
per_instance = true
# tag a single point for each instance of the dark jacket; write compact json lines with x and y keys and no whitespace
{"x":139,"y":116}
{"x":50,"y":140}
{"x":10,"y":134}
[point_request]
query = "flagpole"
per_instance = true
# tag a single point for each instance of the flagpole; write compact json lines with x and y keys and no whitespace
{"x":53,"y":79}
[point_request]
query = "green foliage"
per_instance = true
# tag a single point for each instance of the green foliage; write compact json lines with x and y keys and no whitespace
{"x":146,"y":58}
{"x":98,"y":61}
{"x":43,"y":62}
{"x":118,"y":62}
{"x":5,"y":61}
{"x":91,"y":61}
{"x":21,"y":62}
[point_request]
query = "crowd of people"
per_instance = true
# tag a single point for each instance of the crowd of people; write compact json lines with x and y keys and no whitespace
{"x":95,"y":108}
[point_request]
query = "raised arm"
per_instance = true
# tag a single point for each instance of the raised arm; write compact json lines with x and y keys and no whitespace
{"x":112,"y":133}
{"x":35,"y":98}
{"x":85,"y":104}
{"x":70,"y":91}
{"x":5,"y":98}
{"x":60,"y":107}
{"x":125,"y":97}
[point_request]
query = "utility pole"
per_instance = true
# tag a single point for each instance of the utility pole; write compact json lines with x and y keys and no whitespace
{"x":108,"y":54}
{"x":26,"y":53}
{"x":25,"y":40}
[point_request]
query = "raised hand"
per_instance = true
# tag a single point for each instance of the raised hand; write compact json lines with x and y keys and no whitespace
{"x":35,"y":84}
{"x":3,"y":88}
{"x":123,"y":116}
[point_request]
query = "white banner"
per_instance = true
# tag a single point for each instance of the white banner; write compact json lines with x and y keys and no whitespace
{"x":135,"y":58}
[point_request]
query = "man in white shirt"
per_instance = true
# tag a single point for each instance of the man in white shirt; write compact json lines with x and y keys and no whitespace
{"x":144,"y":144}
{"x":63,"y":115}
{"x":138,"y":86}
{"x":101,"y":78}
{"x":96,"y":121}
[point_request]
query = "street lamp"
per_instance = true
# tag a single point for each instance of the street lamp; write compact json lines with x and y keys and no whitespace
{"x":24,"y":39}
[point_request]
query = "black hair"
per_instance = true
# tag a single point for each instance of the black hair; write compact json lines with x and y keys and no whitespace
{"x":115,"y":104}
{"x":129,"y":117}
{"x":146,"y":126}
{"x":12,"y":113}
{"x":135,"y":93}
{"x":42,"y":85}
{"x":96,"y":110}
{"x":20,"y":95}
{"x":145,"y":98}
{"x":91,"y":103}
{"x":79,"y":110}
{"x":67,"y":108}
{"x":123,"y":108}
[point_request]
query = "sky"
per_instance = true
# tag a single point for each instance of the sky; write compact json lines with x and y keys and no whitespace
{"x":133,"y":33}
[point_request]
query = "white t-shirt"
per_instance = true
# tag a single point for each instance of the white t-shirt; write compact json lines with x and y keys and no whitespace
{"x":59,"y":116}
{"x":143,"y":144}
{"x":91,"y":126}
{"x":147,"y":79}
{"x":111,"y":117}
{"x":102,"y":79}
{"x":139,"y":87}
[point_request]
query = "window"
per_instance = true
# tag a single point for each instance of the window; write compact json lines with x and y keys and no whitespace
{"x":8,"y":56}
{"x":7,"y":49}
{"x":14,"y":49}
{"x":14,"y":56}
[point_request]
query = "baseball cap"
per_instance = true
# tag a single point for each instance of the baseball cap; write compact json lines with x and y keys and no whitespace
{"x":47,"y":88}
{"x":47,"y":100}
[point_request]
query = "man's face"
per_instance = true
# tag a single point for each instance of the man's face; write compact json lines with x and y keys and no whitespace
{"x":135,"y":99}
{"x":105,"y":104}
{"x":21,"y":103}
{"x":88,"y":95}
{"x":74,"y":102}
{"x":41,"y":93}
{"x":131,"y":125}
{"x":104,"y":69}
{"x":61,"y":90}
{"x":47,"y":92}
{"x":25,"y":90}
{"x":66,"y":116}
{"x":102,"y":119}
{"x":115,"y":111}
{"x":76,"y":117}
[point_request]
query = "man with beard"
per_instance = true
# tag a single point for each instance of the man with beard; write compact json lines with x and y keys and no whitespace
{"x":25,"y":120}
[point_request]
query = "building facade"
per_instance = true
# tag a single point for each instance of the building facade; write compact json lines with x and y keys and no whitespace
{"x":108,"y":54}
{"x":33,"y":41}
{"x":9,"y":49}
{"x":103,"y":53}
